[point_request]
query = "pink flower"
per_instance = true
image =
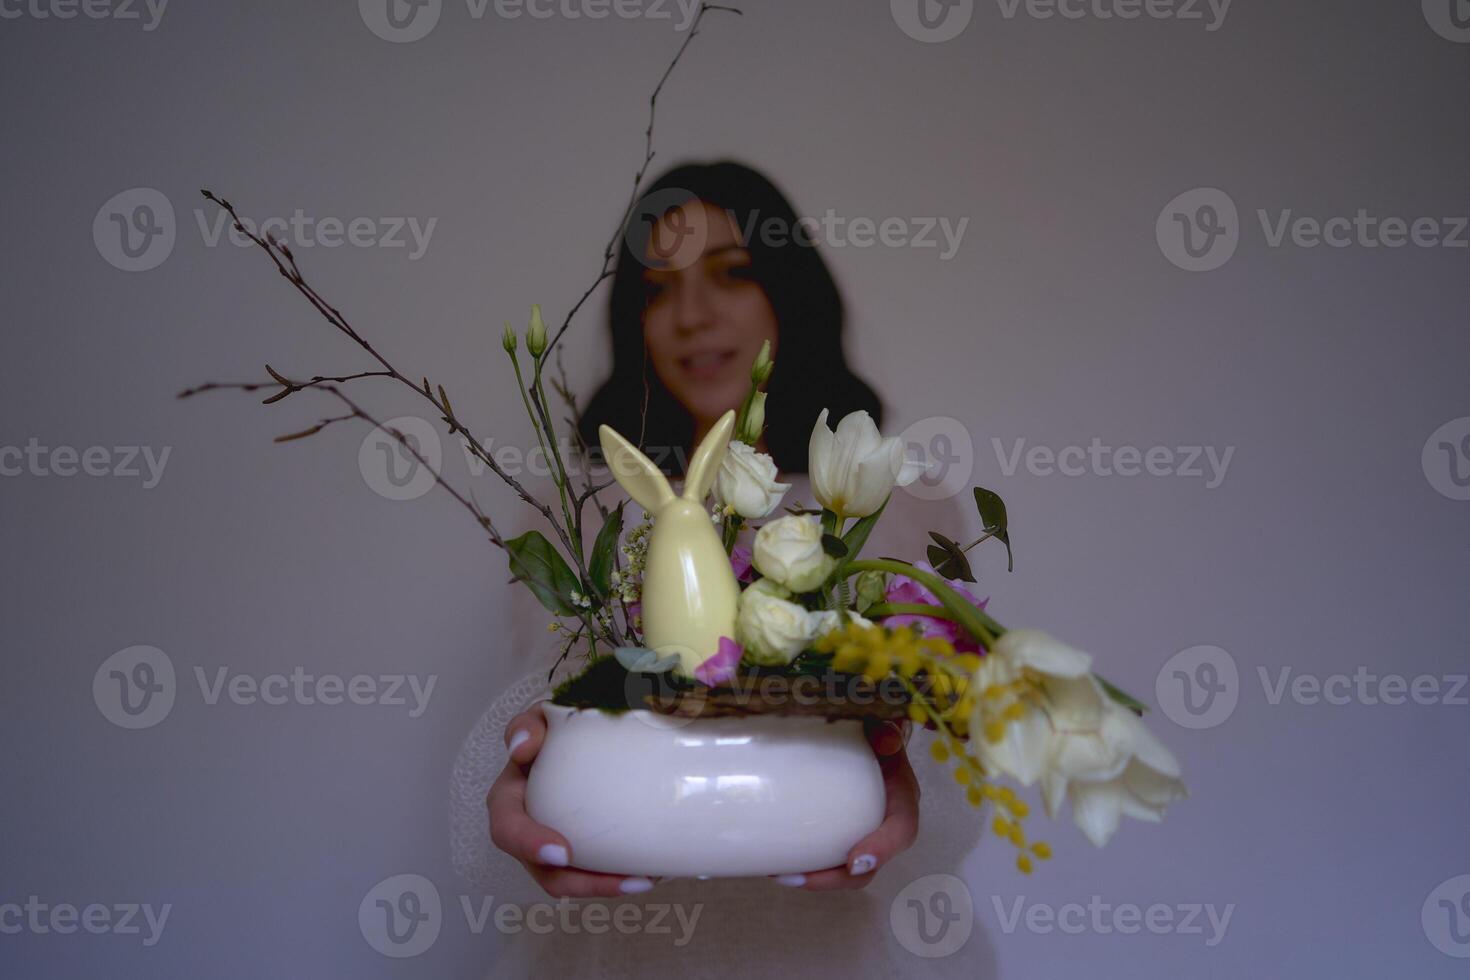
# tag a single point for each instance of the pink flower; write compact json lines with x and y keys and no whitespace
{"x":906,"y":590}
{"x":740,"y":561}
{"x":721,"y":667}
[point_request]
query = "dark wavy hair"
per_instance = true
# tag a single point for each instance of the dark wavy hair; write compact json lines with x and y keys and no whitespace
{"x":811,"y":370}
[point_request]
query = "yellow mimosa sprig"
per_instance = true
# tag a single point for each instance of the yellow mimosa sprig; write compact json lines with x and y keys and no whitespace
{"x":937,"y":679}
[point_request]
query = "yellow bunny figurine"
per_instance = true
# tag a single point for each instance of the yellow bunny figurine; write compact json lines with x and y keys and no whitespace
{"x":690,"y":592}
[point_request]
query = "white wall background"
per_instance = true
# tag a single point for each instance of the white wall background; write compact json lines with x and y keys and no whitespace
{"x":1325,"y":549}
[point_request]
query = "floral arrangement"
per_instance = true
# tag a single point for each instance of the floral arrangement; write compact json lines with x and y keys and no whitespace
{"x":888,"y":639}
{"x":1006,"y":704}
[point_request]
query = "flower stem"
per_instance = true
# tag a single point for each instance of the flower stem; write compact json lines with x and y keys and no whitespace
{"x":980,"y":625}
{"x":910,"y":609}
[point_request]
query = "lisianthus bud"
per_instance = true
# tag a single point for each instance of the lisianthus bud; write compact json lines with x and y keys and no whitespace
{"x":508,"y":339}
{"x":760,"y":371}
{"x":536,"y":333}
{"x":871,"y":586}
{"x":754,"y":419}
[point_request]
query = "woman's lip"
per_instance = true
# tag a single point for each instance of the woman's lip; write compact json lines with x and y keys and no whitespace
{"x":706,"y":364}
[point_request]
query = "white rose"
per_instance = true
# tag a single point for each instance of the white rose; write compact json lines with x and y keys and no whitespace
{"x":789,"y":550}
{"x":825,"y":621}
{"x":771,"y":629}
{"x":855,"y":469}
{"x":747,"y":482}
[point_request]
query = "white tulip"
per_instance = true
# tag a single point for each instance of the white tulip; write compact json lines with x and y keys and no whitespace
{"x":855,"y":469}
{"x":747,"y":482}
{"x":789,"y":550}
{"x":1145,"y":785}
{"x":1023,"y":748}
{"x":772,"y":629}
{"x":1070,"y":735}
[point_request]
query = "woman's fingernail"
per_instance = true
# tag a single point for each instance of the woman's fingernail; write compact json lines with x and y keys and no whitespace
{"x":791,"y":881}
{"x":632,"y":886}
{"x":517,"y":740}
{"x":552,"y":854}
{"x":863,"y":863}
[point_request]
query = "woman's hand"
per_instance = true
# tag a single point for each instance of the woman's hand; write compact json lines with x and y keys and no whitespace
{"x":900,"y":819}
{"x":546,"y":854}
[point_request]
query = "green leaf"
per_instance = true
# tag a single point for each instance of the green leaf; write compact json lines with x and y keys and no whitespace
{"x":948,"y":558}
{"x":857,"y":535}
{"x":1122,"y":697}
{"x":834,"y":546}
{"x":829,"y":521}
{"x":641,"y":660}
{"x":993,"y":514}
{"x":599,"y":569}
{"x":536,"y":562}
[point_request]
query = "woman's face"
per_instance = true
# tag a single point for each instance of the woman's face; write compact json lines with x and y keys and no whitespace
{"x":706,"y":319}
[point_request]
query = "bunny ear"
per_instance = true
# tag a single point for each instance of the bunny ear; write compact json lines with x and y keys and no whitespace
{"x":705,"y":465}
{"x":634,"y":471}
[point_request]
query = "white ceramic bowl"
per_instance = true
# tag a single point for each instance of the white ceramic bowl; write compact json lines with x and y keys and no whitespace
{"x":640,"y":793}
